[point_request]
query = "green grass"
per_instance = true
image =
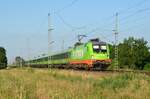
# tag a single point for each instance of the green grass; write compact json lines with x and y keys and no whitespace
{"x":29,"y":83}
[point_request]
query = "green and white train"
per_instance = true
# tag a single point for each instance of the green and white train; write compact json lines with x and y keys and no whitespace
{"x":93,"y":54}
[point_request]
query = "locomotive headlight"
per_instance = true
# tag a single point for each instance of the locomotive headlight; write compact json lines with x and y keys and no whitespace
{"x":103,"y":47}
{"x":96,"y":46}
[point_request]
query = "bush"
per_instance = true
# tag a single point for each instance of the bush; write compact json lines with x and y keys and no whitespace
{"x":147,"y":66}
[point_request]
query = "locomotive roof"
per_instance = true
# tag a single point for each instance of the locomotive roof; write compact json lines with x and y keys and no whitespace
{"x":97,"y":41}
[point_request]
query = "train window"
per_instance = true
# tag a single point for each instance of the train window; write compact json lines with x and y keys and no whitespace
{"x":61,"y":56}
{"x":103,"y":48}
{"x":96,"y":48}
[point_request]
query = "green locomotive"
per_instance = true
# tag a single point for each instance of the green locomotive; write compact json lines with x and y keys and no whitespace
{"x":93,"y":54}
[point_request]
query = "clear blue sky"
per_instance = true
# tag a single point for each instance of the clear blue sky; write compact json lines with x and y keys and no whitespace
{"x":23,"y":23}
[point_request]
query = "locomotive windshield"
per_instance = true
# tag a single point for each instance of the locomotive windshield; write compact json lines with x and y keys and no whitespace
{"x":99,"y":48}
{"x":103,"y":48}
{"x":96,"y":48}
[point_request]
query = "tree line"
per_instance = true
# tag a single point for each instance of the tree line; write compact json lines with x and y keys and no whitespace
{"x":132,"y":53}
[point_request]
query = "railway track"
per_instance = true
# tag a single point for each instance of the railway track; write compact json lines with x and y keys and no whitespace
{"x":101,"y":71}
{"x":112,"y":71}
{"x":129,"y":71}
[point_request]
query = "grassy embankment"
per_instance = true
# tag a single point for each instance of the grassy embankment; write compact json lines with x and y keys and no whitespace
{"x":66,"y":84}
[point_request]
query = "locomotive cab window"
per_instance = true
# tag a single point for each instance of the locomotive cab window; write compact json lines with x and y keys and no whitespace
{"x":103,"y":48}
{"x":96,"y":48}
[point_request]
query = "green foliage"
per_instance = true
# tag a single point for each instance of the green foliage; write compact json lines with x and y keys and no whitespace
{"x":3,"y":58}
{"x":147,"y":66}
{"x":112,"y":53}
{"x":133,"y":53}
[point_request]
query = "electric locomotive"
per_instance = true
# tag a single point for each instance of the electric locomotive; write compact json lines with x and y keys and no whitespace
{"x":93,"y":54}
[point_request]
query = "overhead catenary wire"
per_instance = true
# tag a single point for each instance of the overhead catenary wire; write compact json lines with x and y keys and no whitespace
{"x":137,"y":12}
{"x":57,"y":13}
{"x":131,"y":7}
{"x":64,"y":22}
{"x":66,"y":6}
{"x":136,"y":25}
